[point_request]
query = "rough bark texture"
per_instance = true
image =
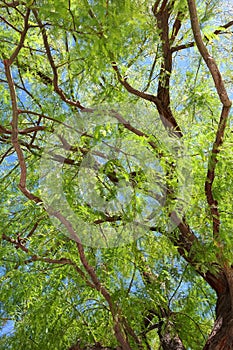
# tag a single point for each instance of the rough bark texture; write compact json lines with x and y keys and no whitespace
{"x":96,"y":346}
{"x":221,"y":337}
{"x":169,"y":341}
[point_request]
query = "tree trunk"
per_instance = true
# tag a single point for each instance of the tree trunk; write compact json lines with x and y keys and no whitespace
{"x":171,"y":343}
{"x":169,"y":340}
{"x":97,"y":346}
{"x":221,"y":337}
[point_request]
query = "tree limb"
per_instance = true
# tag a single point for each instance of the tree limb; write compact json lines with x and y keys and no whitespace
{"x":223,"y":96}
{"x":15,"y":141}
{"x":192,"y":43}
{"x":57,"y":89}
{"x":22,"y":38}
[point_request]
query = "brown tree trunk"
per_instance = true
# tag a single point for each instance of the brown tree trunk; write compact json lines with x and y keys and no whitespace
{"x":169,"y":342}
{"x":221,"y":337}
{"x":97,"y":346}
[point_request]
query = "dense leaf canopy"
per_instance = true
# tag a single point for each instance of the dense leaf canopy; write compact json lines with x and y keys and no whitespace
{"x":116,"y":172}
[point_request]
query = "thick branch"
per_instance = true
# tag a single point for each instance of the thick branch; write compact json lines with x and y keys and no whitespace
{"x":213,"y":68}
{"x":163,"y":92}
{"x":15,"y":141}
{"x":223,"y":96}
{"x":185,"y":242}
{"x":165,"y":113}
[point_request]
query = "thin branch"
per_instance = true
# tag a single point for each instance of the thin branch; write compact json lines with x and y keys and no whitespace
{"x":177,"y":26}
{"x":98,"y":286}
{"x":62,"y":261}
{"x":6,"y":154}
{"x":57,"y":89}
{"x":151,"y":72}
{"x":131,"y":128}
{"x":213,"y":203}
{"x":192,"y":43}
{"x":33,"y":229}
{"x":10,"y":25}
{"x":225,"y":26}
{"x":31,"y":129}
{"x":16,"y":243}
{"x":11,"y":4}
{"x":3,"y":130}
{"x":182,"y":47}
{"x":41,"y":115}
{"x":22,"y":38}
{"x":132,"y":90}
{"x":131,"y":280}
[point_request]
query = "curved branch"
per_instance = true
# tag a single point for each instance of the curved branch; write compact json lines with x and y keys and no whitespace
{"x":57,"y":89}
{"x":131,"y":89}
{"x":98,"y":286}
{"x":15,"y":132}
{"x":213,"y":68}
{"x":223,"y":96}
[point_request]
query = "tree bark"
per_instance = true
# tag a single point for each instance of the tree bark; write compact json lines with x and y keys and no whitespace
{"x":221,"y":337}
{"x":169,"y":341}
{"x":97,"y":346}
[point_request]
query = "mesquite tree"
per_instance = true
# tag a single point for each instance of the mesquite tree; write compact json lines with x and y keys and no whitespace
{"x":116,"y":175}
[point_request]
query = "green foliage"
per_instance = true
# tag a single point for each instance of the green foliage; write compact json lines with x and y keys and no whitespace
{"x":134,"y":175}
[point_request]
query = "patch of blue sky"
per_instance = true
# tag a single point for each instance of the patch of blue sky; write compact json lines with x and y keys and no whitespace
{"x":8,"y":328}
{"x":8,"y":164}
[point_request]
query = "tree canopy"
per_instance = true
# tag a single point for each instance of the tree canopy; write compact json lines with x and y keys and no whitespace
{"x":116,"y":184}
